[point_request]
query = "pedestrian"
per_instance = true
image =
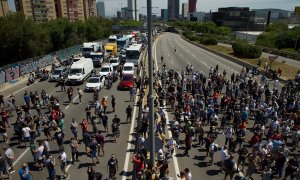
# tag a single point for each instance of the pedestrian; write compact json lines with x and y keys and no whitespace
{"x":39,"y":152}
{"x":63,"y":163}
{"x":88,"y":113}
{"x":128,"y":113}
{"x":224,"y":156}
{"x":70,"y":94}
{"x":50,"y":164}
{"x":80,"y":93}
{"x":93,"y":147}
{"x":26,"y":134}
{"x":2,"y":100}
{"x":104,"y":120}
{"x":3,"y":133}
{"x":3,"y":168}
{"x":213,"y":148}
{"x":131,"y":93}
{"x":59,"y":137}
{"x":25,"y":172}
{"x":74,"y":150}
{"x":9,"y":157}
{"x":104,"y":103}
{"x":188,"y":143}
{"x":188,"y":173}
{"x":229,"y":167}
{"x":243,"y":153}
{"x":112,"y":167}
{"x":171,"y":144}
{"x":74,"y":129}
{"x":100,"y":140}
{"x":113,"y":102}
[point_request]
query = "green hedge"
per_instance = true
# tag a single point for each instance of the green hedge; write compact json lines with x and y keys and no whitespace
{"x":243,"y":49}
{"x":210,"y":41}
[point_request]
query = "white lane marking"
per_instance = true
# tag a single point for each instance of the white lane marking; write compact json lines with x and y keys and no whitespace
{"x":125,"y":169}
{"x":17,"y":91}
{"x":21,"y":156}
{"x":72,"y":102}
{"x":176,"y":166}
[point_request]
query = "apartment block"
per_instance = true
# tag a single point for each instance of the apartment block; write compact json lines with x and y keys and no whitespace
{"x":4,"y":8}
{"x":71,"y":9}
{"x":90,"y":8}
{"x":39,"y":10}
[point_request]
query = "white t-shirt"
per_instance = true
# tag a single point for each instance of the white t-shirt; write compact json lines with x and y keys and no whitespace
{"x":63,"y":157}
{"x":39,"y":152}
{"x":46,"y":145}
{"x":224,"y":154}
{"x":9,"y":153}
{"x":171,"y":144}
{"x":229,"y":133}
{"x":26,"y":131}
{"x":189,"y":176}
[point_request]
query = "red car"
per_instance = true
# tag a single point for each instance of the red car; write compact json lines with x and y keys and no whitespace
{"x":126,"y":82}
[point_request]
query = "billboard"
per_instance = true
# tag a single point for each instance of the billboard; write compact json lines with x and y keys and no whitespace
{"x":297,"y":10}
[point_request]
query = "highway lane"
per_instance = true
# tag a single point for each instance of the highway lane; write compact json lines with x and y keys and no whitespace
{"x":76,"y":110}
{"x":202,"y":60}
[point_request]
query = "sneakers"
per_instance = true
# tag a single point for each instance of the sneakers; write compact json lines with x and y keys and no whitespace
{"x":11,"y":171}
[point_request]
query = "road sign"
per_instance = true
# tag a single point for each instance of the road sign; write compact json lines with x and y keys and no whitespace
{"x":129,"y":28}
{"x":158,"y":144}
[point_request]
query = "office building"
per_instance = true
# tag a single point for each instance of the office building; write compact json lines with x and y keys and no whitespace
{"x":130,"y":9}
{"x":124,"y":12}
{"x":101,"y":9}
{"x":236,"y":18}
{"x":39,"y":10}
{"x":184,"y":9}
{"x":173,"y":9}
{"x":196,"y":16}
{"x":192,"y":6}
{"x":164,"y":14}
{"x":119,"y":14}
{"x":4,"y":8}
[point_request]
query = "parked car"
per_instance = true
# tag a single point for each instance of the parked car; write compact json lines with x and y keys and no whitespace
{"x":54,"y":76}
{"x":94,"y":83}
{"x":126,"y":82}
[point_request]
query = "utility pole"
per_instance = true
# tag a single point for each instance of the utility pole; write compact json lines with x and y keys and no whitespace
{"x":150,"y":95}
{"x":135,"y":9}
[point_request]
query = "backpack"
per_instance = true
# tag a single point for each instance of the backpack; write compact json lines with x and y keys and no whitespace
{"x":215,"y":148}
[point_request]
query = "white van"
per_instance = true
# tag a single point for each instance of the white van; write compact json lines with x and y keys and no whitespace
{"x":80,"y":71}
{"x":128,"y":68}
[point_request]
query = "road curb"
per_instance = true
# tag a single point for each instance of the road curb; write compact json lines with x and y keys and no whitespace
{"x":230,"y":58}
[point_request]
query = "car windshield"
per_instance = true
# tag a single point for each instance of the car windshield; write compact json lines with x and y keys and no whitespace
{"x":75,"y":71}
{"x":113,"y":61}
{"x":127,"y":68}
{"x":56,"y":72}
{"x":104,"y":69}
{"x":95,"y":57}
{"x":94,"y":80}
{"x":127,"y":78}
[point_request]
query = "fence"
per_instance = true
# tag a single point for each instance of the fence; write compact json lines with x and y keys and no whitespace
{"x":13,"y":71}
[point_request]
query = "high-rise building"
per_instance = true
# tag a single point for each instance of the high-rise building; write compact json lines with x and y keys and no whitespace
{"x":101,"y":9}
{"x":173,"y":9}
{"x":4,"y":8}
{"x":184,"y":9}
{"x":119,"y":14}
{"x":71,"y":9}
{"x":192,"y":6}
{"x":39,"y":10}
{"x":164,"y":14}
{"x":124,"y":12}
{"x":130,"y":9}
{"x":90,"y":8}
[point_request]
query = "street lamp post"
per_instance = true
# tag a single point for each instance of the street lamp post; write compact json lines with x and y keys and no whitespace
{"x":150,"y":95}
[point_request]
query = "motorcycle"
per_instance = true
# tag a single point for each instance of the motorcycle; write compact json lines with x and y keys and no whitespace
{"x":30,"y":80}
{"x":44,"y":76}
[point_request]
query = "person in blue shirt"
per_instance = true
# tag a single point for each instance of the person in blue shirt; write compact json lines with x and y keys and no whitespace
{"x":24,"y":172}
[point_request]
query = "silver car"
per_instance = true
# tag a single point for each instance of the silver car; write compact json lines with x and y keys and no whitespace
{"x":63,"y":71}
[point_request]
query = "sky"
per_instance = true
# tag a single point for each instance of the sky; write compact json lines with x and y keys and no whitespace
{"x":112,"y":6}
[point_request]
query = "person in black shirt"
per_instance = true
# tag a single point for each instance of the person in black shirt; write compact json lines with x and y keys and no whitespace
{"x":129,"y":113}
{"x":70,"y":94}
{"x":113,"y":102}
{"x":112,"y":166}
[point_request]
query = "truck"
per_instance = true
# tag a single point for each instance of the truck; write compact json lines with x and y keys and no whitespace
{"x":90,"y":47}
{"x":111,"y":48}
{"x":99,"y":57}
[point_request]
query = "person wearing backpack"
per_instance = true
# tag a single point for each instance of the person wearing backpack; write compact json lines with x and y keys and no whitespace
{"x":229,"y":167}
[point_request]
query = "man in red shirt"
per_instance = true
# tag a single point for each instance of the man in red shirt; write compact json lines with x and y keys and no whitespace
{"x":4,"y":116}
{"x":254,"y":139}
{"x":139,"y":163}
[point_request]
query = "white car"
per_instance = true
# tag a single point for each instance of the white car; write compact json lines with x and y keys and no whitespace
{"x":105,"y":70}
{"x":114,"y":62}
{"x":95,"y":83}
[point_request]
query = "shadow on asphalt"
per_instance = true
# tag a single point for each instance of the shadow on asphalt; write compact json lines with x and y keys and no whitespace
{"x":212,"y":172}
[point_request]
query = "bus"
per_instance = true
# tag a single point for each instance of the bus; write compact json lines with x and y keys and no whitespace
{"x":134,"y":54}
{"x":123,"y":42}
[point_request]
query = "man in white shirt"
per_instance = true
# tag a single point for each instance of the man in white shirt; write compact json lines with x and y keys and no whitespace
{"x":26,"y":134}
{"x":39,"y":155}
{"x":63,"y":163}
{"x":224,"y":156}
{"x":228,"y":134}
{"x":171,"y":145}
{"x":188,"y":174}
